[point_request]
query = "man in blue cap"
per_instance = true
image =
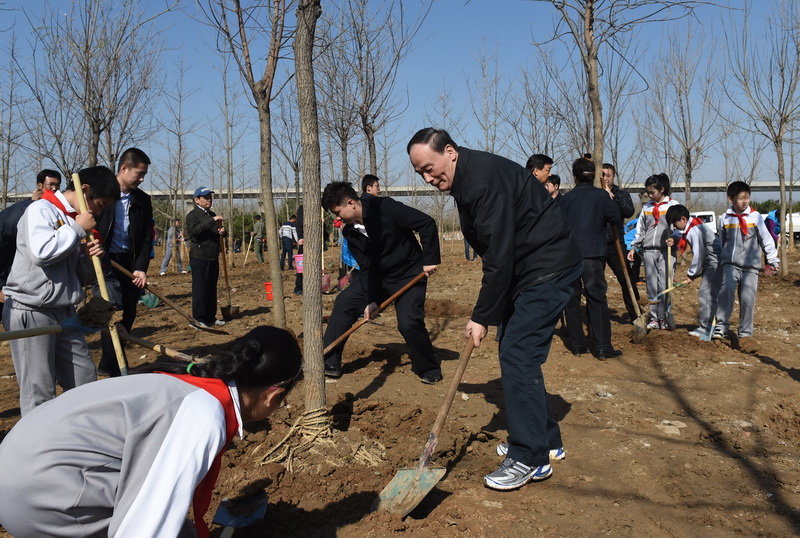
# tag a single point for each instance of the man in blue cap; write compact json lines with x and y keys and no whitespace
{"x":204,"y":232}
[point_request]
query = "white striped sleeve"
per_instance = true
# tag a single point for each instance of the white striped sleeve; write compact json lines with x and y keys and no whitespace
{"x":195,"y":437}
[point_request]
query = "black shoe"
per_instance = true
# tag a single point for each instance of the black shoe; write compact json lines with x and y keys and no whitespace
{"x":298,"y":292}
{"x":431,"y":377}
{"x":333,"y":372}
{"x":608,"y":353}
{"x":580,"y":350}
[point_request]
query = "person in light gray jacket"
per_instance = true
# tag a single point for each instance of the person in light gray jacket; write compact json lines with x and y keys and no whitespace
{"x":126,"y":456}
{"x":46,"y":282}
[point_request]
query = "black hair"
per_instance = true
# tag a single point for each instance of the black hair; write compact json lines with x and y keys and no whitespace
{"x":437,"y":139}
{"x":554,"y":179}
{"x":132,"y":157}
{"x":337,"y":193}
{"x":266,"y":356}
{"x":258,"y":217}
{"x":368,"y":181}
{"x":46,"y":173}
{"x":736,"y":188}
{"x":610,"y":167}
{"x":676,"y":213}
{"x":101,"y":179}
{"x":293,"y":217}
{"x":537,"y":161}
{"x":587,"y":155}
{"x":659,"y":181}
{"x":583,"y":170}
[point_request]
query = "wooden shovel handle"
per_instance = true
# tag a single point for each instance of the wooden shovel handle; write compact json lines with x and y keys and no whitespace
{"x":164,"y":350}
{"x":224,"y":262}
{"x":101,"y":280}
{"x":624,"y":263}
{"x":381,"y":308}
{"x":149,"y":287}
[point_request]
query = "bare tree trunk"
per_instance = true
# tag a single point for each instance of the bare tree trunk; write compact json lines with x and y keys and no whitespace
{"x":308,"y":11}
{"x":782,"y":182}
{"x":593,"y":87}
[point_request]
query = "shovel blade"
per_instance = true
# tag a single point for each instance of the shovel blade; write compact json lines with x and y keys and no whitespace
{"x":407,"y":489}
{"x":229,"y":312}
{"x":243,"y":513}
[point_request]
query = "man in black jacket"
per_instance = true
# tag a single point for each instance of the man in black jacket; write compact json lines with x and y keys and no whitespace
{"x":588,"y":210}
{"x":204,"y":233}
{"x":380,"y":235}
{"x":127,"y":233}
{"x":625,"y":205}
{"x":530,"y":261}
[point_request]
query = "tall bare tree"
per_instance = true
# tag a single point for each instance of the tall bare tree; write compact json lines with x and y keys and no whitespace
{"x":286,"y":138}
{"x":376,"y":40}
{"x":683,"y":97}
{"x":10,"y":132}
{"x":107,"y":55}
{"x":488,"y":100}
{"x":338,"y":92}
{"x":764,"y":77}
{"x":240,"y":26}
{"x":590,"y":25}
{"x":317,"y":416}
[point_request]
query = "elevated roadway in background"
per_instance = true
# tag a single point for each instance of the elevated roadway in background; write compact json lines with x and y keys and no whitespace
{"x":418,"y":190}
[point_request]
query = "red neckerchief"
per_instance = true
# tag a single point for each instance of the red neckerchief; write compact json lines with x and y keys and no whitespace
{"x":656,"y":212}
{"x":202,"y":493}
{"x":742,"y":222}
{"x":51,"y":197}
{"x":682,"y":243}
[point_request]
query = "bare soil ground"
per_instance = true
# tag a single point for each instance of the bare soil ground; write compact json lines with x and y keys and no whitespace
{"x":676,"y":437}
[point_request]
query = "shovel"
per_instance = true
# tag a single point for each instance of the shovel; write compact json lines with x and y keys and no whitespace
{"x":247,"y":252}
{"x":660,"y":294}
{"x":410,"y":486}
{"x":158,"y":348}
{"x":640,"y":323}
{"x":670,"y":316}
{"x":245,"y":513}
{"x":381,"y":308}
{"x":69,"y":324}
{"x":149,"y":287}
{"x":228,"y":312}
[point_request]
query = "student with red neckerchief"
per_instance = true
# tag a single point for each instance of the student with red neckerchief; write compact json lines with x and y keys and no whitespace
{"x":128,"y":456}
{"x":46,"y":282}
{"x":652,"y":232}
{"x":743,"y":237}
{"x":705,"y":263}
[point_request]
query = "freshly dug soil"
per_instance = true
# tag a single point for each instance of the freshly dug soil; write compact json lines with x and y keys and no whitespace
{"x":676,"y":437}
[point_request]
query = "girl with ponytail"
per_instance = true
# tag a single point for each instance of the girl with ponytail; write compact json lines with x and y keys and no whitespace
{"x":127,"y":456}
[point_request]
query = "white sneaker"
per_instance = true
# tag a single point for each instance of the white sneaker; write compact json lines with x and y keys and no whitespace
{"x":698,"y":332}
{"x":162,"y":274}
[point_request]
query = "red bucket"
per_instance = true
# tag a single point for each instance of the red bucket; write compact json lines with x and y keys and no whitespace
{"x":298,"y":263}
{"x":268,"y":289}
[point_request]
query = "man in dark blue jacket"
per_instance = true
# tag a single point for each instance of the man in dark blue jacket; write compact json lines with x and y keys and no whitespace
{"x":530,"y":261}
{"x":589,"y":210}
{"x":380,"y":235}
{"x":625,"y":204}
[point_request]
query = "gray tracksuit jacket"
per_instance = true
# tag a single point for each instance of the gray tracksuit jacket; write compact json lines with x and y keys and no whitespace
{"x":119,"y":457}
{"x":744,"y":251}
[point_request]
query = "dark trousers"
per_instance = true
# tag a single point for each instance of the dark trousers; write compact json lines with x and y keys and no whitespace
{"x":127,"y":298}
{"x":286,"y":251}
{"x":593,"y":285}
{"x":527,"y":331}
{"x":205,"y":274}
{"x":612,"y":258}
{"x":410,"y":309}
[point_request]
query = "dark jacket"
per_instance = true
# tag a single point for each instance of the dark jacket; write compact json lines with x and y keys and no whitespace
{"x":391,"y":252}
{"x":512,"y":222}
{"x":625,"y":205}
{"x":9,"y":218}
{"x":589,"y":210}
{"x":203,"y":234}
{"x":140,"y":231}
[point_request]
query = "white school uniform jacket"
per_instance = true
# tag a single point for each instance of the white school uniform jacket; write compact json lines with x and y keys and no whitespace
{"x":119,"y":457}
{"x":743,"y":240}
{"x":652,"y":234}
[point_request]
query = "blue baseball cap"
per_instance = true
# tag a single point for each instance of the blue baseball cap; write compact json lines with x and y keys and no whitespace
{"x":202,"y":191}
